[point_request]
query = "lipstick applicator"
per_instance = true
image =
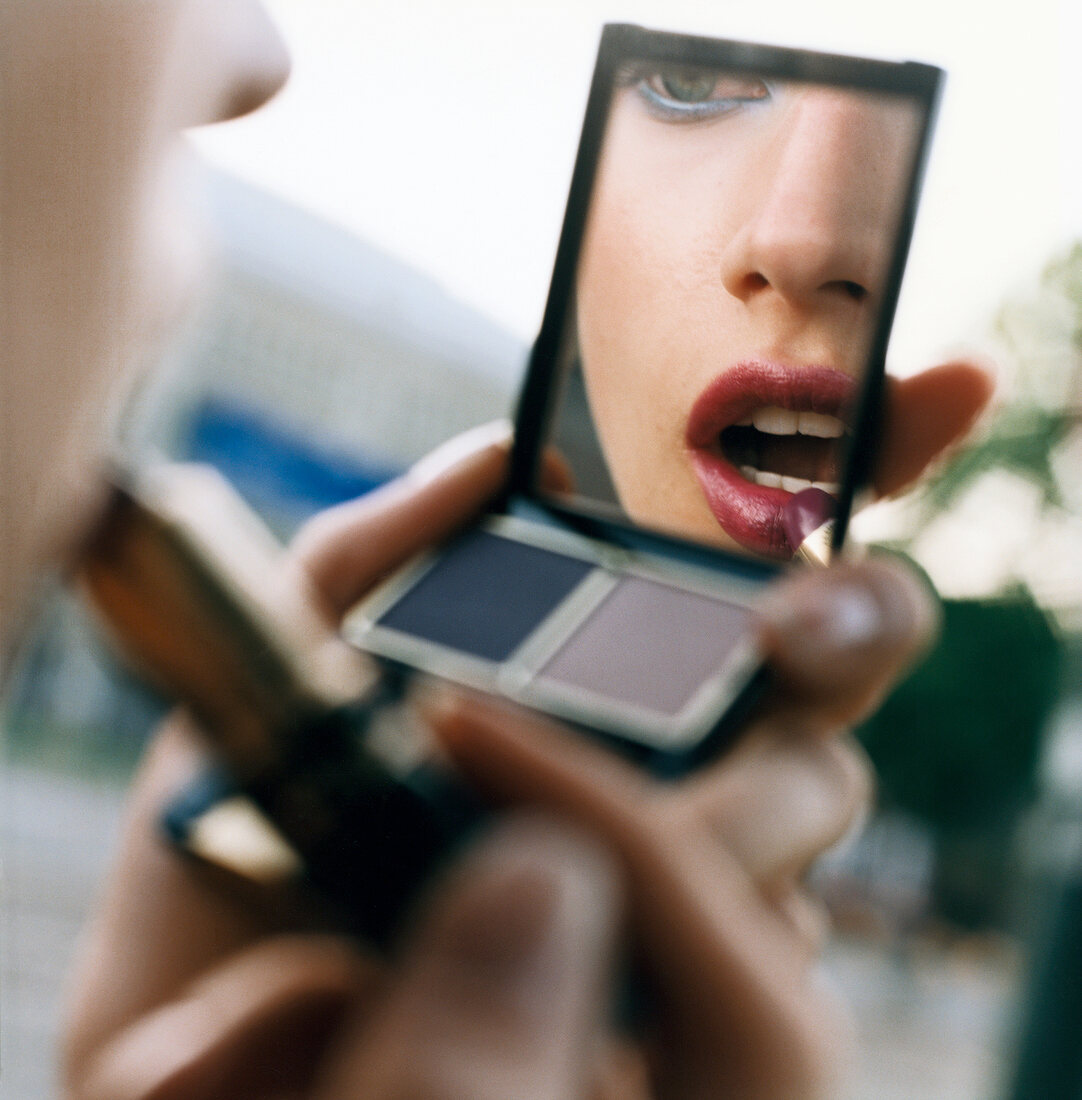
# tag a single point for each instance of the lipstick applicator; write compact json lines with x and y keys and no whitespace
{"x":808,"y":517}
{"x":321,"y":776}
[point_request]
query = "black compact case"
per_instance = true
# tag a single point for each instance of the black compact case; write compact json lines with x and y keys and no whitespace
{"x":563,"y":598}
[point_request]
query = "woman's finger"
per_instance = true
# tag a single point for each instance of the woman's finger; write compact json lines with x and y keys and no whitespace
{"x":837,"y":639}
{"x":345,"y":550}
{"x":739,"y":1005}
{"x":806,"y":914}
{"x":778,"y":801}
{"x":501,"y":991}
{"x":926,"y":415}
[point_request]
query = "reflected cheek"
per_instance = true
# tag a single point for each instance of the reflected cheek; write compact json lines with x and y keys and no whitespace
{"x":615,"y":328}
{"x":617,"y":373}
{"x":632,"y":354}
{"x":655,"y":325}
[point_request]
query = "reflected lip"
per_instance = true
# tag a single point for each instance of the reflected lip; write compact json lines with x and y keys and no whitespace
{"x":748,"y":513}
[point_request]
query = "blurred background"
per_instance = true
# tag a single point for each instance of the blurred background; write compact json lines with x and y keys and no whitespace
{"x":385,"y":235}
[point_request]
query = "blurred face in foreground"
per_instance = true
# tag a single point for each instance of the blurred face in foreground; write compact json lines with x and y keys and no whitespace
{"x":99,"y":251}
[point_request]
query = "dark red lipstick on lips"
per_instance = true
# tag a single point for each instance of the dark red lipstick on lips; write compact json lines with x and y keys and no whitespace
{"x":760,"y":433}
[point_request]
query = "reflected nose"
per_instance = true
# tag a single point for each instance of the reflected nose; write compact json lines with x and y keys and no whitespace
{"x":252,"y":59}
{"x":819,"y":227}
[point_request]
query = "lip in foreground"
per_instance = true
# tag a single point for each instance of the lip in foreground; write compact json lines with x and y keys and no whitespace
{"x":759,"y":433}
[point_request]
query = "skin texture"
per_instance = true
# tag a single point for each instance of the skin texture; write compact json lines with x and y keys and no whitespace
{"x":760,"y":234}
{"x":186,"y":989}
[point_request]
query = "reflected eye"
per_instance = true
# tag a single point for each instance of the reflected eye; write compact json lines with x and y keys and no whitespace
{"x":677,"y":95}
{"x":688,"y":87}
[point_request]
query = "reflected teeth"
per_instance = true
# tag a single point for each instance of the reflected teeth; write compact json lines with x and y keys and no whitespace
{"x":770,"y":480}
{"x":821,"y":425}
{"x":774,"y":420}
{"x":762,"y":477}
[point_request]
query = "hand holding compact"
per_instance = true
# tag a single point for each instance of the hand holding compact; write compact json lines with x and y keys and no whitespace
{"x":710,"y":869}
{"x":714,"y":864}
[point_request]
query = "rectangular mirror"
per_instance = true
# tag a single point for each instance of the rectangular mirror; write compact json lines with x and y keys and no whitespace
{"x":727,"y":280}
{"x":712,"y":350}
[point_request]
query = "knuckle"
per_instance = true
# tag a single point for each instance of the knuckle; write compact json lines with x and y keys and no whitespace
{"x":832,"y":785}
{"x":851,"y":775}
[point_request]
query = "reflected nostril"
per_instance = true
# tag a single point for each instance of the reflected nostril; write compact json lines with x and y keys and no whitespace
{"x":258,"y":89}
{"x":750,"y":284}
{"x":854,"y":290}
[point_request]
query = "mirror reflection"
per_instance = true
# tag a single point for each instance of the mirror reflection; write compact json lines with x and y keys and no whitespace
{"x":738,"y":240}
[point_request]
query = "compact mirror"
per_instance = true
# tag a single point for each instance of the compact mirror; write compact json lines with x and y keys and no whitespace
{"x":732,"y":255}
{"x":712,"y":350}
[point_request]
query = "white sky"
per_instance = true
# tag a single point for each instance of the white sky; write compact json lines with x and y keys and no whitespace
{"x":445,"y":132}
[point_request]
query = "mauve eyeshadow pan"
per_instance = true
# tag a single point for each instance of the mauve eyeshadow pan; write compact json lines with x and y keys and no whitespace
{"x":650,"y":645}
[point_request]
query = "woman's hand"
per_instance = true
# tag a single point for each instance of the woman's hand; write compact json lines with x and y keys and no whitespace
{"x":713,"y":866}
{"x":926,"y":415}
{"x":184,"y":992}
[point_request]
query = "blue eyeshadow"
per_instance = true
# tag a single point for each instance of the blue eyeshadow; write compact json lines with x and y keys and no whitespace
{"x":485,"y":595}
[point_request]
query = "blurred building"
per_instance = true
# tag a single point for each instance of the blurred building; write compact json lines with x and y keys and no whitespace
{"x":318,"y":350}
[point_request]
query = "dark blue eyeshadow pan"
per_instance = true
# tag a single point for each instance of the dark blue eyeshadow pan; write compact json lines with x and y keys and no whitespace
{"x":485,"y":595}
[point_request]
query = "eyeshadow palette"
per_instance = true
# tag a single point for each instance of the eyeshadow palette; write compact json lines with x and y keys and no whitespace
{"x":609,"y":638}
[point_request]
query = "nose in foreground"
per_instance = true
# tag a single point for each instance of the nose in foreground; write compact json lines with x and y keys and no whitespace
{"x":251,"y":57}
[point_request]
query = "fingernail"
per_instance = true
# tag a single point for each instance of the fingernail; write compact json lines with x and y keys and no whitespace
{"x":435,"y":701}
{"x":839,"y":616}
{"x":854,"y":617}
{"x":450,"y":714}
{"x":451,"y":453}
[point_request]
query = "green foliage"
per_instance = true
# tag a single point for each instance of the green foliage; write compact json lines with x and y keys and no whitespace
{"x":1040,"y":346}
{"x":1023,"y":440}
{"x":957,"y":742}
